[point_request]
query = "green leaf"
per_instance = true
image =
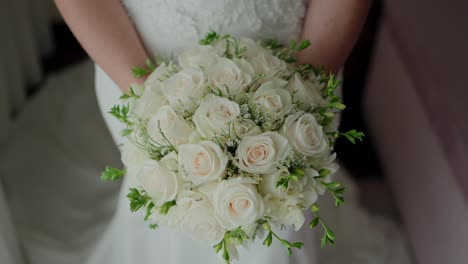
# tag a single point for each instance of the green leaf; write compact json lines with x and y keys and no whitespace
{"x":292,"y":44}
{"x":150,"y":65}
{"x":297,"y":245}
{"x":352,"y":135}
{"x":137,"y":199}
{"x":290,"y":60}
{"x":131,"y":94}
{"x":273,"y":44}
{"x":121,"y":113}
{"x":323,"y":173}
{"x":300,"y":172}
{"x":268,"y":239}
{"x":314,"y":222}
{"x":226,"y":253}
{"x":112,"y":174}
{"x":148,"y":210}
{"x":166,"y":206}
{"x":238,"y":234}
{"x":126,"y":132}
{"x":139,"y":72}
{"x":153,"y":226}
{"x":338,"y":105}
{"x":218,"y":246}
{"x":314,"y":208}
{"x":210,"y":37}
{"x":303,"y":45}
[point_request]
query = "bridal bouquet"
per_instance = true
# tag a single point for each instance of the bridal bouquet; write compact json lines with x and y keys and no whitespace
{"x":231,"y":142}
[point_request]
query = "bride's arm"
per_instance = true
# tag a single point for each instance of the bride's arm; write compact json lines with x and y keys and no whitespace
{"x":332,"y":26}
{"x":107,"y":34}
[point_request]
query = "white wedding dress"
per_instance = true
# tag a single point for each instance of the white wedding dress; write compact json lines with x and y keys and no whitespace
{"x":170,"y":26}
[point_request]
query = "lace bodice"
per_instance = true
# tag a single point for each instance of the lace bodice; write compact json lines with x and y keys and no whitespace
{"x":170,"y":26}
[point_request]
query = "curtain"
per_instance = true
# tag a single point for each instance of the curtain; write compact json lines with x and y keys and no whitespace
{"x":25,"y":38}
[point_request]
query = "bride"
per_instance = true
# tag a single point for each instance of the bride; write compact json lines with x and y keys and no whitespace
{"x":119,"y":35}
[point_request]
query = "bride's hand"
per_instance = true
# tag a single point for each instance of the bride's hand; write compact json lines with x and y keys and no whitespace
{"x":105,"y":31}
{"x":332,"y":26}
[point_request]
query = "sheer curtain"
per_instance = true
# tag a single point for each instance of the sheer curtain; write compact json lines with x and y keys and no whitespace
{"x":24,"y":38}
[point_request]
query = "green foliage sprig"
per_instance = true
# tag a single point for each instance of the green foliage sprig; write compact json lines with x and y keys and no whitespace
{"x":112,"y":174}
{"x":328,"y":237}
{"x":287,"y":54}
{"x":131,"y":94}
{"x":294,"y":175}
{"x":138,"y":199}
{"x":270,"y":235}
{"x":209,"y":38}
{"x":335,"y":188}
{"x":139,"y":72}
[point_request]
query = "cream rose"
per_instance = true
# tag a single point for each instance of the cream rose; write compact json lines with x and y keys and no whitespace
{"x":268,"y":64}
{"x":198,"y":57}
{"x":304,"y":134}
{"x":214,"y":115}
{"x":202,"y":162}
{"x":252,"y":48}
{"x":236,"y":203}
{"x":314,"y":184}
{"x":149,"y":103}
{"x":273,"y":98}
{"x":263,"y":153}
{"x":306,"y":92}
{"x":132,"y":155}
{"x":174,"y":128}
{"x":301,"y":192}
{"x":229,"y":77}
{"x":154,"y":80}
{"x":184,"y":89}
{"x":159,"y":182}
{"x":197,"y":218}
{"x":268,"y":184}
{"x":245,"y":127}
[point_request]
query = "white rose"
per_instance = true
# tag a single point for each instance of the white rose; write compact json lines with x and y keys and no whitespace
{"x":198,"y":57}
{"x":323,"y":160}
{"x":214,"y":115}
{"x":283,"y":214}
{"x":202,"y":162}
{"x":306,"y":92}
{"x":173,"y":127}
{"x":263,"y":153}
{"x":245,"y":127}
{"x":273,"y":99}
{"x":132,"y":155}
{"x":253,"y":48}
{"x":159,"y":182}
{"x":236,"y":203}
{"x":184,"y":89}
{"x":268,"y":184}
{"x":230,"y":77}
{"x":268,"y":64}
{"x":154,"y":80}
{"x":197,"y":218}
{"x":314,"y":184}
{"x":149,"y":103}
{"x":304,"y":134}
{"x":301,"y":192}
